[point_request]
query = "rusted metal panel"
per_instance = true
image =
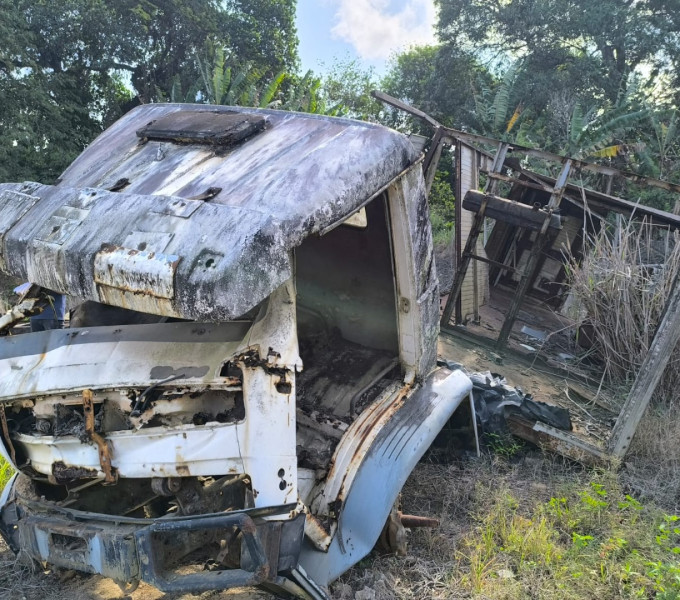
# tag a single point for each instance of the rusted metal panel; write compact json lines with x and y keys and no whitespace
{"x":136,"y":279}
{"x":130,"y":549}
{"x":135,"y":271}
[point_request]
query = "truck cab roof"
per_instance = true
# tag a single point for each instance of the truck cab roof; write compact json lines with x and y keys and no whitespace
{"x":192,"y":211}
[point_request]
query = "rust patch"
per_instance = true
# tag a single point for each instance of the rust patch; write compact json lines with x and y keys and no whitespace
{"x":413,"y":521}
{"x":104,"y":452}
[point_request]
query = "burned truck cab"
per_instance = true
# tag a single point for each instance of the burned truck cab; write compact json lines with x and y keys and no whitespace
{"x":249,"y":375}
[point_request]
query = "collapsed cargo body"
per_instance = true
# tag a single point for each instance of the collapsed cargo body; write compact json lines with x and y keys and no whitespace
{"x":250,"y":375}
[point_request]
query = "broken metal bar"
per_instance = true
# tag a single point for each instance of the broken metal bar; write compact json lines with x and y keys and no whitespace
{"x":498,"y":163}
{"x":5,"y":431}
{"x":102,"y":446}
{"x":472,"y":138}
{"x":494,"y":263}
{"x":532,"y":261}
{"x":453,"y":136}
{"x":413,"y":521}
{"x":387,"y":99}
{"x":522,"y":182}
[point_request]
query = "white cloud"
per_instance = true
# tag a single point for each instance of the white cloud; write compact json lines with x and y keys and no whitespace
{"x":376,"y":29}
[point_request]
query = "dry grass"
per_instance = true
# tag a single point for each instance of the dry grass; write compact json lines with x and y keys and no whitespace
{"x":21,"y":579}
{"x":652,"y":467}
{"x":621,"y":286}
{"x":535,"y":526}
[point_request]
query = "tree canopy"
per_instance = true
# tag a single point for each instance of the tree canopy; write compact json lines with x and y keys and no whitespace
{"x":599,"y":80}
{"x":68,"y":68}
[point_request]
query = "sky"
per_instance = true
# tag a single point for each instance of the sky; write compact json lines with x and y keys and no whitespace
{"x":369,"y":30}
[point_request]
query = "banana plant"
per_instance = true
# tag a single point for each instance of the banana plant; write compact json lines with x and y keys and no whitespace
{"x":493,"y":109}
{"x":599,"y":131}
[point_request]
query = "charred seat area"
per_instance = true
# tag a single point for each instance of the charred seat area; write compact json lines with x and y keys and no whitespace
{"x":347,"y":330}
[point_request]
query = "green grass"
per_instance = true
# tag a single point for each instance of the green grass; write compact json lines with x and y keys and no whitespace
{"x":592,"y":541}
{"x":6,"y":471}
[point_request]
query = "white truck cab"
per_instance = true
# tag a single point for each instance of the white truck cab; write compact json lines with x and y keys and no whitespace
{"x":250,"y":374}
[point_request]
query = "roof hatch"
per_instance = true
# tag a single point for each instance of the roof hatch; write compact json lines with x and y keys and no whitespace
{"x":204,"y":127}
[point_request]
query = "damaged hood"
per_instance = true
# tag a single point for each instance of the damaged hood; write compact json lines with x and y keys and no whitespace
{"x":193,"y":211}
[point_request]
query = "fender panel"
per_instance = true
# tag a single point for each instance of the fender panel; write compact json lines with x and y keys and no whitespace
{"x":385,"y":467}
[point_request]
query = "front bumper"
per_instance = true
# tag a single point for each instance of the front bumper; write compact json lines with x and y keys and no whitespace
{"x":155,"y":551}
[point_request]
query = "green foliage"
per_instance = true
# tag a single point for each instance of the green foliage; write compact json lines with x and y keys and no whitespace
{"x":494,"y":111}
{"x":442,"y":207}
{"x":348,"y":85}
{"x":263,"y":33}
{"x":438,"y":80}
{"x":68,"y":68}
{"x":585,"y":80}
{"x":607,"y":40}
{"x":505,"y":446}
{"x":304,"y":94}
{"x":6,"y":472}
{"x":591,"y":541}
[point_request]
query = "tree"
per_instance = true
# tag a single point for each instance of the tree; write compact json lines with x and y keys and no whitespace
{"x":170,"y":34}
{"x":68,"y":68}
{"x":605,"y":40}
{"x":47,"y":98}
{"x":439,"y":80}
{"x":347,"y":86}
{"x":262,"y":32}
